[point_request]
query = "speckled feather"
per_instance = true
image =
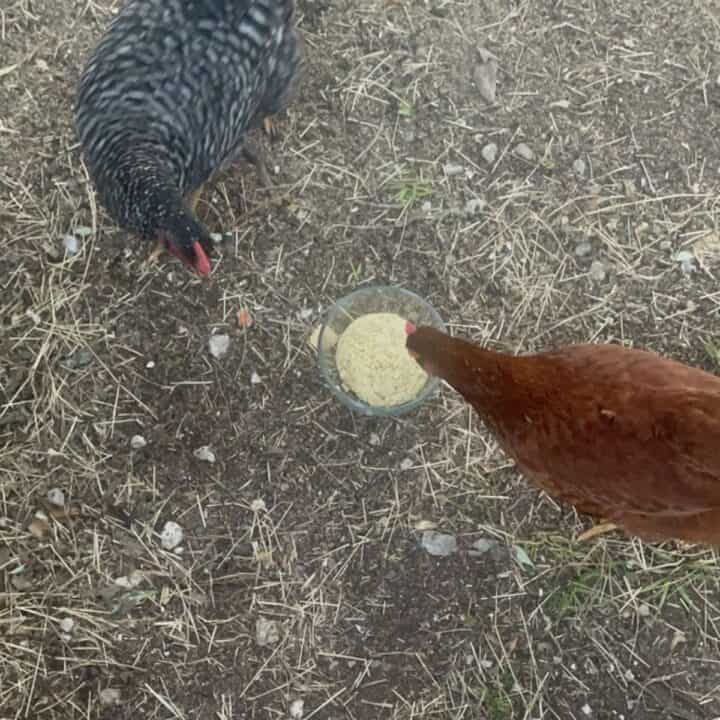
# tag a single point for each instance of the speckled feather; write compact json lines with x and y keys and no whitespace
{"x":620,"y":433}
{"x":167,"y":97}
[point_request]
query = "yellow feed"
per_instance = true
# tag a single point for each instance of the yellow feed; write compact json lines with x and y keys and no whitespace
{"x":373,"y":363}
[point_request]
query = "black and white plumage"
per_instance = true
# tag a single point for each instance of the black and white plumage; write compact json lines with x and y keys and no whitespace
{"x":166,"y":99}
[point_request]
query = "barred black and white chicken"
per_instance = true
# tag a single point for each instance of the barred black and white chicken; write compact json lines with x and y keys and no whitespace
{"x":165,"y":102}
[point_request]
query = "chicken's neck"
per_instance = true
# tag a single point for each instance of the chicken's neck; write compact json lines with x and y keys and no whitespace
{"x":152,"y":197}
{"x":498,"y":383}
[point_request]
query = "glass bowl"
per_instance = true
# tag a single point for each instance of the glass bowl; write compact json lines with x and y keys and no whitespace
{"x":376,"y":299}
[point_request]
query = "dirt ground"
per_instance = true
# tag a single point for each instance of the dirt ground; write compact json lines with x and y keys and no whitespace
{"x":301,"y":588}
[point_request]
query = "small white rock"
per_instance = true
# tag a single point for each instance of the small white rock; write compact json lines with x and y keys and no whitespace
{"x":489,"y":153}
{"x":597,"y":271}
{"x":171,"y":535}
{"x":137,"y":442}
{"x":524,"y":151}
{"x":56,"y":497}
{"x":438,"y":544}
{"x":129,"y":581}
{"x":216,"y":237}
{"x":257,"y":505}
{"x":205,"y":454}
{"x":71,"y":244}
{"x":110,"y":696}
{"x":67,"y":624}
{"x":297,"y":709}
{"x":582,"y":249}
{"x":579,"y":167}
{"x":474,"y":206}
{"x":267,"y":632}
{"x":218,"y":345}
{"x":406,"y":464}
{"x":586,"y":710}
{"x":452,"y":169}
{"x":686,"y":260}
{"x":644,"y":610}
{"x":255,"y":379}
{"x":150,"y":364}
{"x":484,"y":545}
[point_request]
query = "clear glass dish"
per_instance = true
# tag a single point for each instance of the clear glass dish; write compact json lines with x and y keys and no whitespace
{"x":376,"y":299}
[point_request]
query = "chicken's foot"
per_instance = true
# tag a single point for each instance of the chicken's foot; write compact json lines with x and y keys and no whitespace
{"x":599,"y":529}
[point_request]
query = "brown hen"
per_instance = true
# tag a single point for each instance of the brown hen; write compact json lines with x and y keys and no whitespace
{"x":621,"y":434}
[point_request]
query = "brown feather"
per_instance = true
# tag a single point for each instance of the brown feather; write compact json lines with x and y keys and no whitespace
{"x":621,"y":433}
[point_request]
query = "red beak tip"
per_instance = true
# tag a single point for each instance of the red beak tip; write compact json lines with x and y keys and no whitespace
{"x":409,"y":328}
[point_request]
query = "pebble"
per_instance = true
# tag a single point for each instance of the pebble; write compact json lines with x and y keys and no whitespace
{"x":258,"y":505}
{"x":71,"y":244}
{"x":56,"y":497}
{"x":137,"y":442}
{"x":297,"y":709}
{"x":218,"y":345}
{"x":452,"y":169}
{"x":267,"y":632}
{"x":597,"y":271}
{"x":579,"y":167}
{"x":171,"y":535}
{"x":130,"y":581}
{"x":582,"y":249}
{"x":83,"y":231}
{"x":216,"y":237}
{"x":406,"y":464}
{"x":205,"y":454}
{"x":67,"y":624}
{"x":474,"y":206}
{"x":438,"y":544}
{"x":485,"y":75}
{"x":110,"y":696}
{"x":80,"y":358}
{"x":524,"y":151}
{"x":586,"y":709}
{"x":489,"y":153}
{"x":644,"y":610}
{"x":484,"y":545}
{"x":255,"y":379}
{"x":686,"y":260}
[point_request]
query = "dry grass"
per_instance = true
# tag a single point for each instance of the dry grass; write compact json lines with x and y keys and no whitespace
{"x":310,"y":517}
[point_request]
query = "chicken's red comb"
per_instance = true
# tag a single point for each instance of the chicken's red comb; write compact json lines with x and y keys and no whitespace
{"x":409,"y":328}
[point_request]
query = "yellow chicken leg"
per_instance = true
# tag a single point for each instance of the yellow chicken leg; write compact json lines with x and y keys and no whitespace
{"x":599,"y":529}
{"x":270,"y":129}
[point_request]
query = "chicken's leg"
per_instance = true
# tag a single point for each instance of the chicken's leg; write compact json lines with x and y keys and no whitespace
{"x":256,"y":157}
{"x":156,"y":252}
{"x":194,"y":197}
{"x":600,"y":529}
{"x":270,"y":130}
